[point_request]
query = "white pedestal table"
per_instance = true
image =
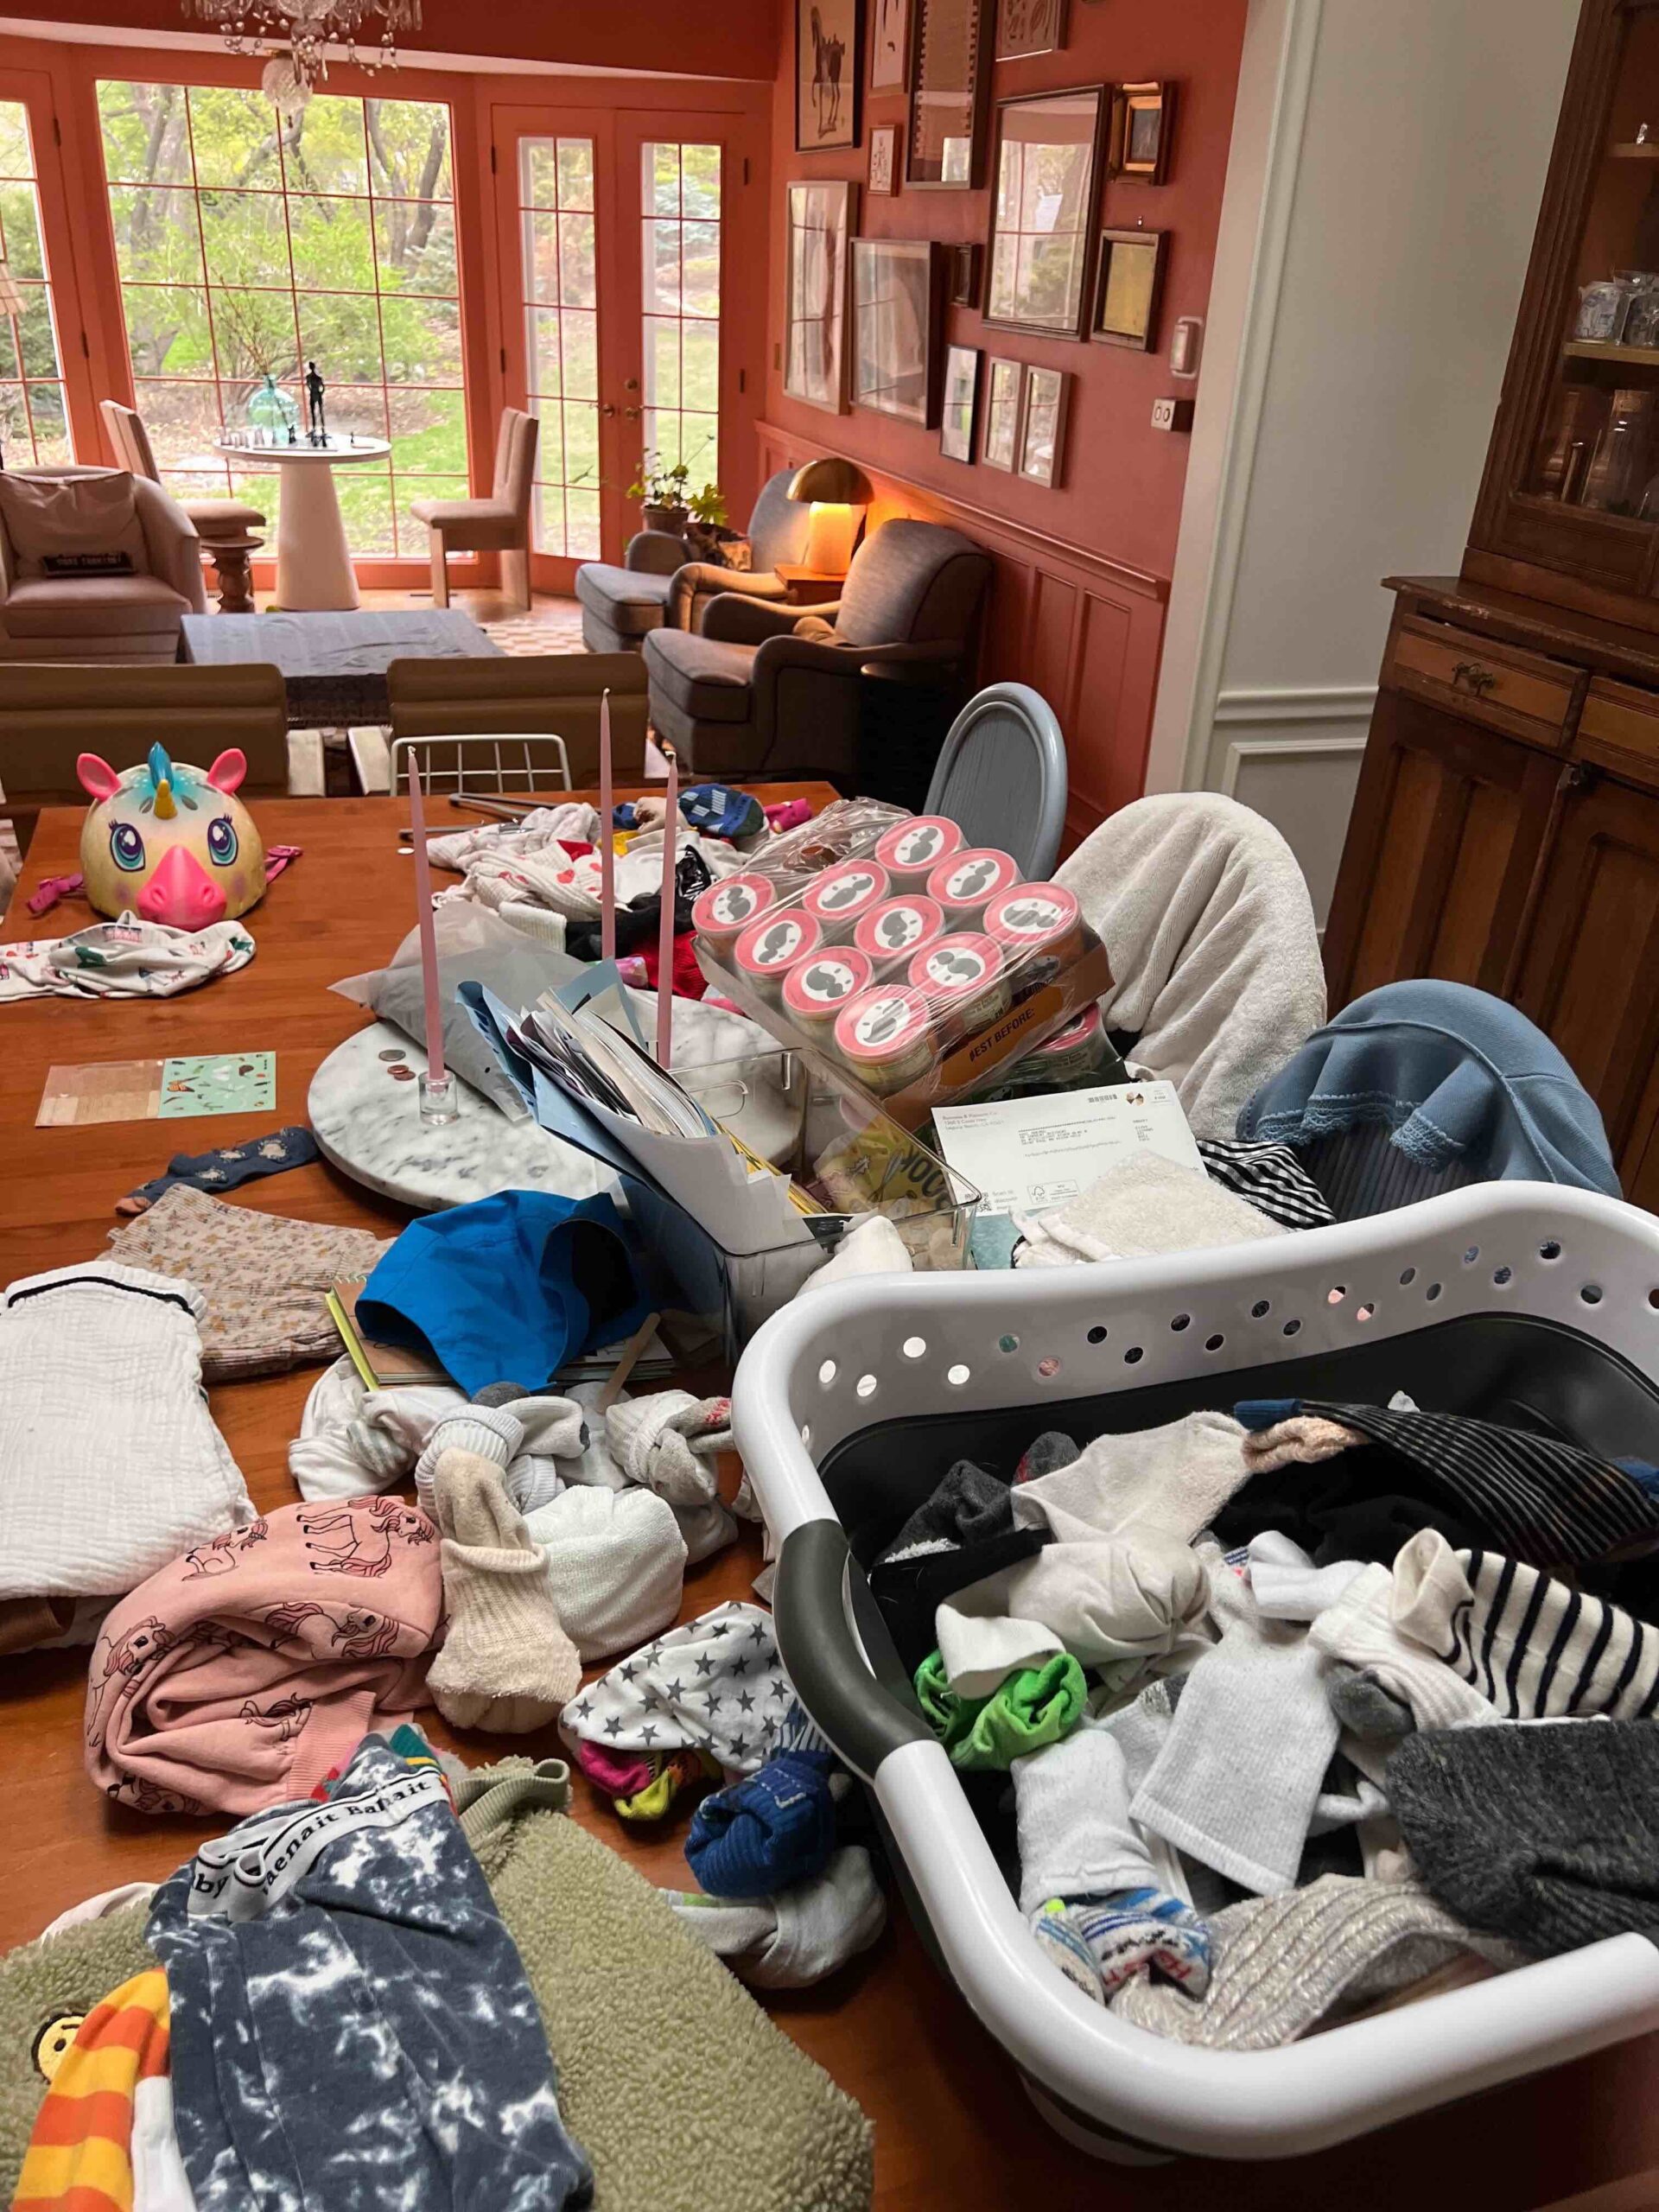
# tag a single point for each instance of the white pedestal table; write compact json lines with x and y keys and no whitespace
{"x":314,"y":563}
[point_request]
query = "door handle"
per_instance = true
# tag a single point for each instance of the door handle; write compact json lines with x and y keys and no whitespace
{"x":632,"y":413}
{"x":607,"y":409}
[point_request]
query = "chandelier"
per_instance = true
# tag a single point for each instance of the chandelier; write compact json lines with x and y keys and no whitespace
{"x":297,"y":34}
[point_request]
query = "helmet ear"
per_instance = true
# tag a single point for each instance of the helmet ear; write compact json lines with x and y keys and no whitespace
{"x":227,"y":771}
{"x":97,"y":776}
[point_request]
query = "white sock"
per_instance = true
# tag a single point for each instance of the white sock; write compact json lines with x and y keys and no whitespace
{"x":506,"y":1663}
{"x":1104,"y":1599}
{"x":979,"y":1655}
{"x":1238,"y":1778}
{"x":1163,"y":1482}
{"x":797,"y":1935}
{"x":1071,"y":1813}
{"x":1360,"y":1627}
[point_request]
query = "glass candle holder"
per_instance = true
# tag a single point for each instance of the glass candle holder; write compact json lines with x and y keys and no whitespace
{"x":439,"y":1099}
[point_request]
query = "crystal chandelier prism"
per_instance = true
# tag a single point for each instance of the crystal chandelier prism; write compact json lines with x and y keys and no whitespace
{"x":297,"y":34}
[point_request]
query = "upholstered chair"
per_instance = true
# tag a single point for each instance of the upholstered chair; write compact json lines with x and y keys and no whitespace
{"x":500,"y":523}
{"x":657,"y":587}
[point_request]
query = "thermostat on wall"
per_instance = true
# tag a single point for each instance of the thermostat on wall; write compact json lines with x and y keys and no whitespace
{"x":1185,"y":345}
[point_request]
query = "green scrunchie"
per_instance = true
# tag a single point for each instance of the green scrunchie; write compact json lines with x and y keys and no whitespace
{"x":1030,"y":1709}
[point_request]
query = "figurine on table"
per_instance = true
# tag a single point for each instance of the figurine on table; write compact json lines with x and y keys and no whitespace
{"x":316,"y":423}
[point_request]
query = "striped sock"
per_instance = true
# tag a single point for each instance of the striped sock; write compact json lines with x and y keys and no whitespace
{"x":1270,"y":1177}
{"x":80,"y":2152}
{"x":1536,"y":1647}
{"x":1125,"y":1933}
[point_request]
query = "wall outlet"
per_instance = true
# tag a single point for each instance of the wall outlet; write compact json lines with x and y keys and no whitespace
{"x":1171,"y":414}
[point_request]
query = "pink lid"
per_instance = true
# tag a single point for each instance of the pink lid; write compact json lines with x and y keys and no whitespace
{"x":956,"y":967}
{"x":768,"y":946}
{"x":1031,"y":915}
{"x":881,"y":1025}
{"x":1084,"y":1031}
{"x":914,"y":846}
{"x":826,"y":981}
{"x":732,"y":903}
{"x":838,"y":897}
{"x":973,"y":878}
{"x":901,"y":926}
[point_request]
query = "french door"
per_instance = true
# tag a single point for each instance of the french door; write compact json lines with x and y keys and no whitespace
{"x":631,"y":250}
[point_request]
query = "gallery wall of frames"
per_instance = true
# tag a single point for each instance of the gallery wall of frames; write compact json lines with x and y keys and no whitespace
{"x":994,"y":225}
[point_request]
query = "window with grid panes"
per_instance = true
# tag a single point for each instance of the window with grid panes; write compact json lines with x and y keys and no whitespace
{"x":680,"y":265}
{"x":248,"y":245}
{"x":559,"y":256}
{"x":34,"y":432}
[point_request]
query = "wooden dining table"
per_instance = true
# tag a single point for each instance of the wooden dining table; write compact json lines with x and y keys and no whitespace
{"x":953,"y":2129}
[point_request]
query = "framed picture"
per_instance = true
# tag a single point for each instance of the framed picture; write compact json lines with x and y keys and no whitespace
{"x":999,"y":443}
{"x":820,"y":219}
{"x":1042,"y":426}
{"x":960,"y":399}
{"x":884,"y":158}
{"x":1026,"y":27}
{"x":827,"y":59}
{"x":1143,"y":119}
{"x":961,"y":274}
{"x":1043,"y":210}
{"x":896,"y":303}
{"x":1128,"y":287}
{"x":889,"y":46}
{"x":945,"y":144}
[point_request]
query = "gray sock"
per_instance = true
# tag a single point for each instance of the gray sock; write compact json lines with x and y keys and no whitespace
{"x":1361,"y":1703}
{"x":968,"y":1507}
{"x":1544,"y":1831}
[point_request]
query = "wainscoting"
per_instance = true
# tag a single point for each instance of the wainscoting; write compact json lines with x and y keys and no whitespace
{"x":1293,"y":754}
{"x":1083,"y":629}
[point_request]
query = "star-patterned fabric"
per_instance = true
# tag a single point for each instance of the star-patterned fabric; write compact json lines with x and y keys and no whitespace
{"x":713,"y":1684}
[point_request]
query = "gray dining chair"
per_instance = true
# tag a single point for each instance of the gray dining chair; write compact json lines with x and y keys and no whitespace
{"x":1001,"y":776}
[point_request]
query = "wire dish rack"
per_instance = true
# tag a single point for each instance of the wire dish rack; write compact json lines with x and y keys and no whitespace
{"x":849,"y":1406}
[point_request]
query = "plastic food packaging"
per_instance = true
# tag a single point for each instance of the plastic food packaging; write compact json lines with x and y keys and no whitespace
{"x":924,"y":1008}
{"x":914,"y":849}
{"x":725,"y":910}
{"x":1080,"y":1054}
{"x":839,"y":899}
{"x":845,"y":830}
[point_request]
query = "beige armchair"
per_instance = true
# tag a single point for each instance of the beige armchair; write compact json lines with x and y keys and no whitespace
{"x":132,"y":616}
{"x":225,"y":527}
{"x":768,"y":689}
{"x":498,"y":524}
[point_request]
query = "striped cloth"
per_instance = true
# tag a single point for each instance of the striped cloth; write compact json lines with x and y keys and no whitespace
{"x":1270,"y":1176}
{"x":1546,"y":1501}
{"x":80,"y":2152}
{"x":1541,"y":1500}
{"x":1538,"y":1649}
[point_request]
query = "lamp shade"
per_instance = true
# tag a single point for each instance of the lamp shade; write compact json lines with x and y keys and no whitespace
{"x":11,"y":299}
{"x":832,"y":482}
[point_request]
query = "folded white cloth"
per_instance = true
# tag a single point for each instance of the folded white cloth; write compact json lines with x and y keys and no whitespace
{"x":617,"y":1563}
{"x":1206,"y":919}
{"x":124,"y":959}
{"x":979,"y":1655}
{"x":797,"y":1935}
{"x":1106,"y":1599}
{"x":110,"y":1466}
{"x":353,"y":1439}
{"x":1160,"y":1482}
{"x":1143,"y":1207}
{"x":873,"y":1247}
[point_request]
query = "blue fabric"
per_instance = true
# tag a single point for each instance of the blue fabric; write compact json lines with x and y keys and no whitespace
{"x":1457,"y":1075}
{"x":508,"y":1288}
{"x":770,"y":1830}
{"x":228,"y":1166}
{"x":722,"y":811}
{"x":1256,"y":1414}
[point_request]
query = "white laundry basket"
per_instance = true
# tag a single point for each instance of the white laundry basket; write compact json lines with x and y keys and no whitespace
{"x":1503,"y":1293}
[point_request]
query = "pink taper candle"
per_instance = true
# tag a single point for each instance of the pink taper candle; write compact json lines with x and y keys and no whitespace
{"x":665,"y":928}
{"x":606,"y":845}
{"x":429,"y":931}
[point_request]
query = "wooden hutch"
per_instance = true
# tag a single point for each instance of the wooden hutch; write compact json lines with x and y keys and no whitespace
{"x":1505,"y":831}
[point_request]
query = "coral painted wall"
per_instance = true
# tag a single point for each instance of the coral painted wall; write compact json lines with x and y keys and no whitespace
{"x":1083,"y":570}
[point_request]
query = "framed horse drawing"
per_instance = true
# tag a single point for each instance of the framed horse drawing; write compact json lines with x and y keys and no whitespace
{"x":829,"y":64}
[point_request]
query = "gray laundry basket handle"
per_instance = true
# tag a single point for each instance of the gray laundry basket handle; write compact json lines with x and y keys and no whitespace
{"x":822,"y":1655}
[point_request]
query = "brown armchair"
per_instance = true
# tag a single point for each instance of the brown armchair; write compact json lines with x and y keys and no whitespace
{"x":768,"y":690}
{"x":656,"y":588}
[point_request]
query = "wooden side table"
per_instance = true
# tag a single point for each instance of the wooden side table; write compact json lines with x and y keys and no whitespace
{"x":808,"y":586}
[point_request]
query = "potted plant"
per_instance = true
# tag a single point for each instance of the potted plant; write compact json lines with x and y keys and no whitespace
{"x":662,"y":491}
{"x":707,"y":537}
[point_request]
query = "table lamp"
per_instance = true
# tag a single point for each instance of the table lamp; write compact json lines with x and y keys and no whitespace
{"x":838,"y":491}
{"x":11,"y":306}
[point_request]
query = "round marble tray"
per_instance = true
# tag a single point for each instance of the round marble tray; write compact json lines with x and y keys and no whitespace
{"x":366,"y":1119}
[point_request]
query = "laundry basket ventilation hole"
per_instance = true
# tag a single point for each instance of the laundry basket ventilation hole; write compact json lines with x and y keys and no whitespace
{"x":826,"y":1373}
{"x":914,"y":1347}
{"x":1097,"y":1334}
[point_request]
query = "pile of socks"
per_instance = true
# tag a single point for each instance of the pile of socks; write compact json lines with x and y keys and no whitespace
{"x":1304,"y":1704}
